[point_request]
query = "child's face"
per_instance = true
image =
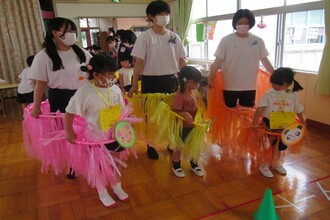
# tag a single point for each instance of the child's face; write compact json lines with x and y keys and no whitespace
{"x":125,"y":63}
{"x":106,"y":79}
{"x":277,"y":87}
{"x":192,"y":85}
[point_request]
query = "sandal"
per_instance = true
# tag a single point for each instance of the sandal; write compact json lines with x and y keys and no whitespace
{"x":197,"y":171}
{"x":178,"y":172}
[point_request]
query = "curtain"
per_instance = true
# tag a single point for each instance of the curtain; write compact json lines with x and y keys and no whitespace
{"x":184,"y":19}
{"x":323,"y":78}
{"x":21,"y":36}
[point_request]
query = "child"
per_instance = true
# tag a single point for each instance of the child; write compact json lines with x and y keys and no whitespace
{"x":185,"y":103}
{"x":26,"y":85}
{"x":89,"y":101}
{"x":279,"y":99}
{"x":125,"y":73}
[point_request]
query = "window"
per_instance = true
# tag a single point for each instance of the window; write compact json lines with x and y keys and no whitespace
{"x":293,"y":38}
{"x":304,"y":39}
{"x":89,"y":29}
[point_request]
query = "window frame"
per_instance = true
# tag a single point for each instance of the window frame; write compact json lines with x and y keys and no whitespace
{"x":280,"y":11}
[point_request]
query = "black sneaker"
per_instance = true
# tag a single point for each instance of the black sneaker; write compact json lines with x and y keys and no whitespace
{"x":152,"y":153}
{"x":71,"y":175}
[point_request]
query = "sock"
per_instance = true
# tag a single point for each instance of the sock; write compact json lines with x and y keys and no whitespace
{"x":122,"y":195}
{"x":106,"y":198}
{"x":193,"y":164}
{"x":176,"y":165}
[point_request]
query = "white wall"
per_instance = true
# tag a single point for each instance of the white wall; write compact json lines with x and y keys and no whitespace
{"x":75,"y":10}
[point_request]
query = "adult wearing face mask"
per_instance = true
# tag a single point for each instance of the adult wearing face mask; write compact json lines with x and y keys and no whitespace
{"x":238,"y":56}
{"x":57,"y":66}
{"x":159,"y":54}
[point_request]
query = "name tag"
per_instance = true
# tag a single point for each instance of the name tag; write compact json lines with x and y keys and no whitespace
{"x":281,"y":120}
{"x":109,"y":116}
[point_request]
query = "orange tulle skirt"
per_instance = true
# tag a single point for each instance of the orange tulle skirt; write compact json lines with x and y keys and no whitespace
{"x":231,"y":127}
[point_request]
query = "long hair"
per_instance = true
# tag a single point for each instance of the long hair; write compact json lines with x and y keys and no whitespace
{"x":285,"y":75}
{"x":51,"y":50}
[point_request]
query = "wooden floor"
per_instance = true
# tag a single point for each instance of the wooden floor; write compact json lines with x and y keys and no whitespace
{"x":232,"y":188}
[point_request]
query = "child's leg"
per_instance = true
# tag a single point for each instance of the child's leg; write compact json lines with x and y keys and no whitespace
{"x":176,"y":164}
{"x":106,"y":198}
{"x":196,"y":169}
{"x":120,"y":193}
{"x":278,"y":159}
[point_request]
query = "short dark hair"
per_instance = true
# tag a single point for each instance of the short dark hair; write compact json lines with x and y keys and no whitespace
{"x":29,"y":60}
{"x":157,"y":7}
{"x":244,"y":13}
{"x":128,"y":36}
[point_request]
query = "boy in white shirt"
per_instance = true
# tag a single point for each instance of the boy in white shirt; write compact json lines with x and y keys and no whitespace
{"x":125,"y":73}
{"x":26,"y":85}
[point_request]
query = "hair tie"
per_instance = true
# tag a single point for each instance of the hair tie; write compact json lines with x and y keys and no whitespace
{"x":184,"y":79}
{"x":89,"y":67}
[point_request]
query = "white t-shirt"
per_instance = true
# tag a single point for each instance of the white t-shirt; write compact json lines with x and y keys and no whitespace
{"x":161,"y":53}
{"x":87,"y":103}
{"x":280,"y":101}
{"x":241,"y":61}
{"x":26,"y":85}
{"x":127,"y":74}
{"x":71,"y":77}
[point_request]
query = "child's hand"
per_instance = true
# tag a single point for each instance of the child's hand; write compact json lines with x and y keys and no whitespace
{"x":188,"y":118}
{"x":71,"y":137}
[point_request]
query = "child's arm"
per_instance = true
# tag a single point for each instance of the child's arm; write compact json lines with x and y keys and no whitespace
{"x":257,"y":115}
{"x":68,"y":126}
{"x":187,"y":116}
{"x":121,"y":82}
{"x":301,"y":118}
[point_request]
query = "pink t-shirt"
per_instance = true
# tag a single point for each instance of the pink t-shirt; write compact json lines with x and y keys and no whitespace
{"x":184,"y":103}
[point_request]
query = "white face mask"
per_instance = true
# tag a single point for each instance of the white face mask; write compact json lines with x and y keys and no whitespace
{"x":162,"y":20}
{"x":243,"y":29}
{"x":108,"y":82}
{"x":69,"y":39}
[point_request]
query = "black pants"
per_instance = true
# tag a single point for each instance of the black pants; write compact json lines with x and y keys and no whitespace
{"x":244,"y":98}
{"x":281,"y":145}
{"x":159,"y":84}
{"x":59,"y":99}
{"x":114,"y":146}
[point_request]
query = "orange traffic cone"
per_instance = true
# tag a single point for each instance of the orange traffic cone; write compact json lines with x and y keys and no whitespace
{"x":266,"y":209}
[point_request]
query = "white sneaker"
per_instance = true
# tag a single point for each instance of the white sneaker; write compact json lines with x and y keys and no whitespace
{"x":178,"y":172}
{"x":197,"y":171}
{"x":281,"y":170}
{"x":106,"y":199}
{"x":266,"y":171}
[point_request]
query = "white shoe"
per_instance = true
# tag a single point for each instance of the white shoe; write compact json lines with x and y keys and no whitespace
{"x":281,"y":170}
{"x":106,"y":199}
{"x":266,"y":171}
{"x":120,"y":193}
{"x":197,"y":171}
{"x":178,"y":172}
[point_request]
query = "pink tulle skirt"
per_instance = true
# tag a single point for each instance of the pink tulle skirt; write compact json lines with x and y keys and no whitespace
{"x":45,"y":140}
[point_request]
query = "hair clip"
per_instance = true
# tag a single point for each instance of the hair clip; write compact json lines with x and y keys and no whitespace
{"x":89,"y":67}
